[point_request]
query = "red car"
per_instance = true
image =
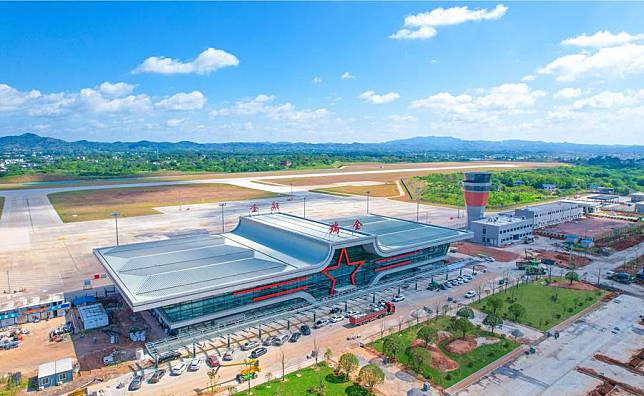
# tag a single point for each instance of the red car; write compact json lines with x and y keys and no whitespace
{"x":213,"y":361}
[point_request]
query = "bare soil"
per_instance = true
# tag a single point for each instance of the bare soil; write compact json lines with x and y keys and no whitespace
{"x":575,"y":285}
{"x":380,"y":190}
{"x":474,"y":250}
{"x":462,"y":346}
{"x":440,"y":361}
{"x":563,"y":259}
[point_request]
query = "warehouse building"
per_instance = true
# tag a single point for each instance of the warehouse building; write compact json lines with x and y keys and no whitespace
{"x":270,"y":263}
{"x":55,"y":373}
{"x":637,"y":197}
{"x":502,"y":230}
{"x":22,"y":311}
{"x":550,"y":214}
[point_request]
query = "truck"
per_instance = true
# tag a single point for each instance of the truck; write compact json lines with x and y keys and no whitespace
{"x":388,"y":309}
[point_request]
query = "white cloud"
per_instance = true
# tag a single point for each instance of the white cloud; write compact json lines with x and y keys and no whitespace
{"x":423,"y":25}
{"x":347,"y":76}
{"x":208,"y":61}
{"x":603,"y":38}
{"x":567,"y":93}
{"x":402,"y":118}
{"x":12,"y":99}
{"x":609,"y":100}
{"x":505,"y":97}
{"x":371,"y":96}
{"x":116,"y":90}
{"x":262,"y":104}
{"x":175,"y":122}
{"x":316,"y":80}
{"x":95,"y":101}
{"x":612,"y":61}
{"x":529,"y":77}
{"x":183,"y":101}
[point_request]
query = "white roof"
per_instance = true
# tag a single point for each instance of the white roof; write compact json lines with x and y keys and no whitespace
{"x":55,"y":367}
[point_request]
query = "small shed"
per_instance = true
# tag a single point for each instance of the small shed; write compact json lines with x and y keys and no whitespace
{"x":93,"y":316}
{"x":55,"y":373}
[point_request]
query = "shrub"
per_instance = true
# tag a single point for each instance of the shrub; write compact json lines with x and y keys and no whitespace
{"x":581,"y":304}
{"x":448,"y":377}
{"x":570,"y":309}
{"x":558,"y":316}
{"x":469,"y":363}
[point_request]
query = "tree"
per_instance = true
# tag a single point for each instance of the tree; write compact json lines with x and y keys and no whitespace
{"x":283,"y":361}
{"x":392,"y":347}
{"x":316,"y":349}
{"x":492,"y":321}
{"x":348,"y":363}
{"x":419,"y":359}
{"x":517,"y":310}
{"x":572,"y":276}
{"x":371,"y":375}
{"x":327,"y":354}
{"x":462,"y":326}
{"x":427,"y":334}
{"x":465,"y":312}
{"x":495,"y":303}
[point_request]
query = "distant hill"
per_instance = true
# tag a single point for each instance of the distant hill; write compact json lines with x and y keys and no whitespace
{"x":31,"y":142}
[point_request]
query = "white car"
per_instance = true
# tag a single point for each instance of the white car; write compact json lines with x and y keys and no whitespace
{"x":249,"y":345}
{"x":321,"y":323}
{"x":610,"y":273}
{"x":352,"y":313}
{"x":490,"y":259}
{"x":336,"y":318}
{"x":179,"y":368}
{"x":470,"y":294}
{"x":195,"y":364}
{"x":398,"y":298}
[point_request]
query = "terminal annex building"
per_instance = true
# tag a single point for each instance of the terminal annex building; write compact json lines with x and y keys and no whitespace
{"x":270,"y":263}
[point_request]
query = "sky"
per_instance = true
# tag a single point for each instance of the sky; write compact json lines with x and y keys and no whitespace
{"x":323,"y":72}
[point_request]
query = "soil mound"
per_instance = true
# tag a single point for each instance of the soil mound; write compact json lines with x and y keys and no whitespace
{"x":462,"y":346}
{"x":440,"y":361}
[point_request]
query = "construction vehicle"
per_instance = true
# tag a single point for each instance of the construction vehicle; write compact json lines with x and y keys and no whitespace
{"x":247,"y":373}
{"x":388,"y":309}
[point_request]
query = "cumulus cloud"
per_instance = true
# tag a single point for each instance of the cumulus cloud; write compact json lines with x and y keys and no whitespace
{"x":116,"y":90}
{"x":175,"y":122}
{"x":505,"y":97}
{"x":263,"y":104}
{"x":609,"y":100}
{"x":372,"y":97}
{"x":316,"y":80}
{"x":12,"y":99}
{"x":207,"y":62}
{"x":603,"y":38}
{"x":183,"y":101}
{"x":402,"y":118}
{"x":423,"y":25}
{"x":610,"y":61}
{"x":347,"y":76}
{"x":95,"y":101}
{"x":567,"y":93}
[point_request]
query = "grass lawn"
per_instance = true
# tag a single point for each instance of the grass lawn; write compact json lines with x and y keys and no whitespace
{"x":308,"y":378}
{"x":468,"y":363}
{"x":380,"y":190}
{"x":1,"y":206}
{"x":542,"y":312}
{"x":136,"y":201}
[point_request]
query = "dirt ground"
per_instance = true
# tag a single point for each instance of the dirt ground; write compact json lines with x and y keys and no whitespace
{"x":440,"y":361}
{"x":474,"y":250}
{"x":380,"y":190}
{"x":623,"y":243}
{"x":574,"y":285}
{"x":462,"y":347}
{"x":135,"y":201}
{"x":590,"y":227}
{"x":563,"y":259}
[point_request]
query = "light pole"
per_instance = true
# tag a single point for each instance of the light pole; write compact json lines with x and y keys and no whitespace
{"x":368,"y":193}
{"x":304,"y":202}
{"x":222,"y":205}
{"x":116,"y":225}
{"x":417,"y":205}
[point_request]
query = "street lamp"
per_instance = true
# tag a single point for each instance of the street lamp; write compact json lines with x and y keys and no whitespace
{"x":304,"y":202}
{"x":116,"y":225}
{"x":368,"y":193}
{"x":222,"y":205}
{"x":417,"y":205}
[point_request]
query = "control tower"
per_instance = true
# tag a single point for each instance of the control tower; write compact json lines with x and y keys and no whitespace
{"x":476,"y":189}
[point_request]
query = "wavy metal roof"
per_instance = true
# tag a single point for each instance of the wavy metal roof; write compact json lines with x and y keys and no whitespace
{"x":264,"y":247}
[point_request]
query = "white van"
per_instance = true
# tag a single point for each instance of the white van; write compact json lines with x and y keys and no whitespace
{"x":281,"y":339}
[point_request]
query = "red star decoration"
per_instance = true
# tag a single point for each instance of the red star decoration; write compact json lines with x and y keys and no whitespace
{"x":345,"y":255}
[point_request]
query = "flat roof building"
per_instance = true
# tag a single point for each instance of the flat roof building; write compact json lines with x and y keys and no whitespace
{"x":269,"y":260}
{"x":55,"y":372}
{"x":637,"y":197}
{"x":550,"y":213}
{"x":501,"y":230}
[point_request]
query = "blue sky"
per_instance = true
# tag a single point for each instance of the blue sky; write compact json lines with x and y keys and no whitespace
{"x":315,"y":72}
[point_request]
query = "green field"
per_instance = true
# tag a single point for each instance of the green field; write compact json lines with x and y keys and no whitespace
{"x":1,"y":206}
{"x":98,"y":204}
{"x":542,"y":311}
{"x":468,"y":363}
{"x":301,"y":383}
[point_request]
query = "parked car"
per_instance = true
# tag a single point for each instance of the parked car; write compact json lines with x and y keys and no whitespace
{"x":335,"y":310}
{"x":179,"y":368}
{"x":351,"y":313}
{"x":337,"y":318}
{"x":136,"y":383}
{"x":447,"y":284}
{"x":249,"y":345}
{"x":258,"y":352}
{"x":195,"y":364}
{"x":398,"y":298}
{"x":267,"y":341}
{"x":470,"y":294}
{"x":281,"y":339}
{"x":212,"y":361}
{"x":321,"y":323}
{"x":382,"y":301}
{"x":295,"y":336}
{"x":168,"y":356}
{"x":305,"y":330}
{"x":610,"y":273}
{"x":156,"y":377}
{"x":228,"y":356}
{"x":490,"y":259}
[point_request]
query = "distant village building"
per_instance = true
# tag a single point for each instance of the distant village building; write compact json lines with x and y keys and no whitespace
{"x":549,"y":187}
{"x":637,"y":197}
{"x":286,"y":163}
{"x":605,"y":190}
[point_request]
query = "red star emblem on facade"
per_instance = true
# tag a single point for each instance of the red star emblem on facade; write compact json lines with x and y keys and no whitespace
{"x":344,"y":256}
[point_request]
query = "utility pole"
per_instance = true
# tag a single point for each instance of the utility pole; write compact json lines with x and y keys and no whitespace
{"x":368,"y":193}
{"x":304,"y":202}
{"x":221,"y":205}
{"x":116,"y":225}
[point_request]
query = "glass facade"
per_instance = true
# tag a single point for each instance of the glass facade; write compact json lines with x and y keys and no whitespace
{"x":350,"y":267}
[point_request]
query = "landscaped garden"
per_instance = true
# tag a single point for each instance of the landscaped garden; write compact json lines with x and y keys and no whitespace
{"x":314,"y":380}
{"x":542,"y":304}
{"x":444,"y":350}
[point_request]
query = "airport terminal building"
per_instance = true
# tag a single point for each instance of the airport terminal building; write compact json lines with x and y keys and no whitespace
{"x":270,"y":262}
